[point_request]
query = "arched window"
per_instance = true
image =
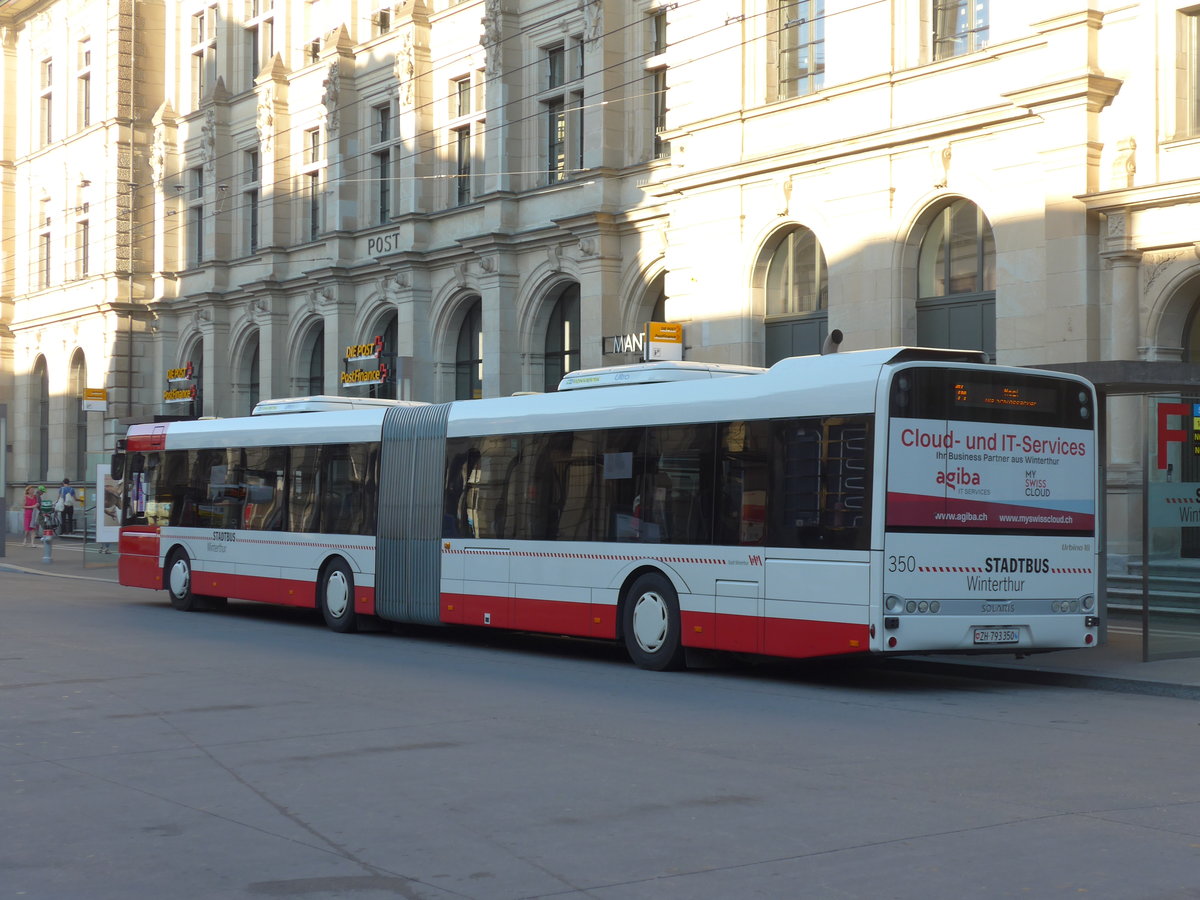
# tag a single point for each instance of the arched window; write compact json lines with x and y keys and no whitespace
{"x":562,"y":338}
{"x":956,"y":281}
{"x":316,"y":364}
{"x":77,"y":427}
{"x":797,"y":296}
{"x":41,"y":408}
{"x":468,"y":357}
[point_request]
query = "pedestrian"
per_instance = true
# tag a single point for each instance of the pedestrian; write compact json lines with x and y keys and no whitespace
{"x":31,"y":505}
{"x":66,"y":499}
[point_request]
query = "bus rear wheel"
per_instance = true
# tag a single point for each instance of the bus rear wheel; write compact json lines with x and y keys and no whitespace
{"x":337,"y":597}
{"x":650,"y":621}
{"x":177,"y":578}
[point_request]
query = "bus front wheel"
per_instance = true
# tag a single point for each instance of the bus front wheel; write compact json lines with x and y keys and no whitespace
{"x":337,"y":597}
{"x":650,"y":622}
{"x":177,"y":578}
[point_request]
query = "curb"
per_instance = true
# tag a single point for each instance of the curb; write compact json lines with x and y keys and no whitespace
{"x":1052,"y":678}
{"x":22,"y":570}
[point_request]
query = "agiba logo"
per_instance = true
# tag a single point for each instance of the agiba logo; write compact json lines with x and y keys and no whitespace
{"x":959,"y":477}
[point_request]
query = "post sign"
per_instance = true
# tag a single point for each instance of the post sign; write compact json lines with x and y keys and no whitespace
{"x":95,"y":400}
{"x":180,"y":386}
{"x":664,"y":341}
{"x":356,"y":353}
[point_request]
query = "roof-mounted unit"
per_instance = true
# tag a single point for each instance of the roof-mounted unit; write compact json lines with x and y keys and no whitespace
{"x":651,"y":373}
{"x":323,"y":404}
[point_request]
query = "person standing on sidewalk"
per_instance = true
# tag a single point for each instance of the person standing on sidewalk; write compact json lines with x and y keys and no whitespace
{"x":66,"y":497}
{"x":31,"y":504}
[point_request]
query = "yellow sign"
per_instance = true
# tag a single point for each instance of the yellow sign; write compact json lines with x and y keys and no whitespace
{"x":665,"y":332}
{"x":365,"y":376}
{"x":95,"y":400}
{"x":182,"y":395}
{"x":365,"y":351}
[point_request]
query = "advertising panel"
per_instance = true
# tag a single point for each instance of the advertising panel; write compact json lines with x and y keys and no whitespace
{"x":990,"y":477}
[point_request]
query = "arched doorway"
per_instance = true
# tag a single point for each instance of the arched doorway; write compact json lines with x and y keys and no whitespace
{"x":561,"y":348}
{"x":956,"y":280}
{"x":468,"y":354}
{"x":76,"y":425}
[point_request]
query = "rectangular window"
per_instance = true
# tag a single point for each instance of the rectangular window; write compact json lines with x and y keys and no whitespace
{"x":462,"y":152}
{"x":82,"y":241}
{"x":383,"y":187}
{"x":959,"y":27}
{"x":1188,"y":106}
{"x":43,"y":280}
{"x":46,"y":101}
{"x":259,"y":38}
{"x":312,"y":146}
{"x":381,"y":21}
{"x":383,"y":123}
{"x":195,"y":216}
{"x":562,"y":110}
{"x":204,"y":52}
{"x":83,"y":85}
{"x":462,"y":97}
{"x":314,"y":205}
{"x":801,"y":67}
{"x":252,"y":220}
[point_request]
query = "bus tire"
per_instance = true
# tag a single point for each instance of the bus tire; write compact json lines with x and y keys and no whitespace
{"x":650,"y":623}
{"x":337,"y":597}
{"x":177,"y":579}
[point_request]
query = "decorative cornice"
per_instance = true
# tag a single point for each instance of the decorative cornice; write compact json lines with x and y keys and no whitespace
{"x":1096,"y":90}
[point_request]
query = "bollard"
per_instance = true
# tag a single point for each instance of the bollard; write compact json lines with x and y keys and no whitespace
{"x":47,"y":540}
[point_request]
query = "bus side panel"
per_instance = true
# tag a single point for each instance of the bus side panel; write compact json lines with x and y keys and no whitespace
{"x":138,"y":564}
{"x":803,"y":638}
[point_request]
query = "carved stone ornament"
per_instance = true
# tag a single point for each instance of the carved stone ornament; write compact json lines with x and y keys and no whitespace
{"x":208,"y":142}
{"x":406,"y":68}
{"x":158,"y":154}
{"x":1155,"y":264}
{"x":1125,"y":166}
{"x":593,"y":19}
{"x":491,"y":37}
{"x":329,"y":97}
{"x":1116,"y":225}
{"x":265,"y":118}
{"x":587,"y":247}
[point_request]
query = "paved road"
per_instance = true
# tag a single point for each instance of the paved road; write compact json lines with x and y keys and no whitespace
{"x":150,"y":753}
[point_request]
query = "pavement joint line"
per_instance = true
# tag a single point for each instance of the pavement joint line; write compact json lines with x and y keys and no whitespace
{"x":22,"y":570}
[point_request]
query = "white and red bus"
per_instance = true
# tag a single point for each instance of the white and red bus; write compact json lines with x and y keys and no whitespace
{"x":893,"y":501}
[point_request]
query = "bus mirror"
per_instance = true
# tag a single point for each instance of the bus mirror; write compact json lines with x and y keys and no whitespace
{"x":116,"y":466}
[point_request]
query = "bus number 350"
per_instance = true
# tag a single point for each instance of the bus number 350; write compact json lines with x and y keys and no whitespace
{"x":902,"y":564}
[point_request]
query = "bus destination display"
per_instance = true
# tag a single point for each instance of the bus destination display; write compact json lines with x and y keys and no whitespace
{"x":999,"y":395}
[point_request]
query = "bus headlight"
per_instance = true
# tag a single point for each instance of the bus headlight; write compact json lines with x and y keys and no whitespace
{"x":892,"y":603}
{"x":935,"y":606}
{"x":910,"y":606}
{"x":1087,"y":602}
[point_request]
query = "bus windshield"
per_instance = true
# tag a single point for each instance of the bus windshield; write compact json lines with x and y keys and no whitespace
{"x":994,"y":452}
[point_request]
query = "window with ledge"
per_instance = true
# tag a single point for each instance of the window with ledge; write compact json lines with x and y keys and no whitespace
{"x":800,"y":67}
{"x":251,"y":193}
{"x":259,"y":33}
{"x":195,"y":216}
{"x":311,"y":181}
{"x":561,"y":348}
{"x":381,"y":161}
{"x":656,"y":83}
{"x":44,"y":247}
{"x":83,"y":234}
{"x":1187,"y":111}
{"x":462,"y":125}
{"x":562,"y":110}
{"x":204,"y":52}
{"x":83,"y":85}
{"x":46,"y":101}
{"x":959,"y":27}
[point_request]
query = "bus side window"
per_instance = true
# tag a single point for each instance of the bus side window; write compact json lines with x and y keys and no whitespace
{"x":302,"y":504}
{"x":744,"y":472}
{"x":265,"y":498}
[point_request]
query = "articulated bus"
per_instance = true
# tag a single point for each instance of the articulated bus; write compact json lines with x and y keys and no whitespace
{"x":898,"y":500}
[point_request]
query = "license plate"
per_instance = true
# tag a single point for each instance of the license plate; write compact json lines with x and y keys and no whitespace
{"x":997,"y":636}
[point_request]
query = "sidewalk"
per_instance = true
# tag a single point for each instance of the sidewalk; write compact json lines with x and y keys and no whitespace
{"x":68,"y":557}
{"x":1114,"y":666}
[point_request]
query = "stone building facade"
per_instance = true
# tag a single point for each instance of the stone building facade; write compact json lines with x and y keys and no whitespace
{"x":499,"y":188}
